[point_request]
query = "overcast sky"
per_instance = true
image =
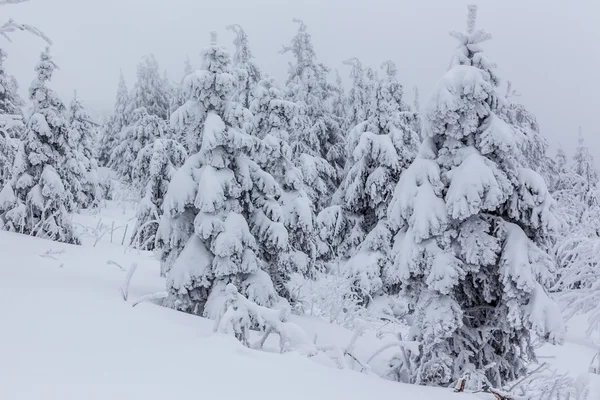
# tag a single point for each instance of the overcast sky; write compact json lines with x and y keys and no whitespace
{"x":548,"y":48}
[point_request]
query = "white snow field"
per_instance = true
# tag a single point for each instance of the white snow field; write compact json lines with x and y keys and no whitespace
{"x":67,"y":333}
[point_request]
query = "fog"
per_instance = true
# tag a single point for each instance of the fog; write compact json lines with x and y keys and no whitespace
{"x":547,"y":48}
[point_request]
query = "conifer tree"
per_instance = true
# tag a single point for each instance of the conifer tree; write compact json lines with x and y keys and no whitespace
{"x":153,"y":168}
{"x":151,"y":90}
{"x":11,"y":104}
{"x":179,"y":97}
{"x":273,"y":120}
{"x":339,"y":103}
{"x":143,"y":129}
{"x":37,"y":199}
{"x":10,"y":101}
{"x":81,"y":141}
{"x":221,"y":212}
{"x":9,"y":145}
{"x":584,"y":164}
{"x":317,"y":145}
{"x":532,"y":144}
{"x":11,"y":113}
{"x":119,"y":119}
{"x":360,"y":97}
{"x":244,"y":66}
{"x":380,"y":147}
{"x":471,"y":218}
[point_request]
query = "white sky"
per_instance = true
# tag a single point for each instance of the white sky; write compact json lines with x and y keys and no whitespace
{"x":548,"y":48}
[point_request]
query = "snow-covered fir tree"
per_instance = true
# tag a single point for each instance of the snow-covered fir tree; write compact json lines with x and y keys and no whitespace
{"x":471,"y":216}
{"x":361,"y":95}
{"x":151,"y":90}
{"x":118,"y":120}
{"x":221,"y":211}
{"x":532,"y":144}
{"x":179,"y":96}
{"x":317,"y":143}
{"x":244,"y":66}
{"x":187,"y":121}
{"x":9,"y":145}
{"x":10,"y":101}
{"x":153,"y":168}
{"x":143,"y":129}
{"x":273,"y":120}
{"x":339,"y":102}
{"x":584,"y":163}
{"x":37,"y":200}
{"x":355,"y":228}
{"x":81,"y":141}
{"x":11,"y":112}
{"x":576,"y":193}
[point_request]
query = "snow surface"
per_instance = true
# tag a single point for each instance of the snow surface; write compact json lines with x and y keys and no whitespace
{"x":66,"y":333}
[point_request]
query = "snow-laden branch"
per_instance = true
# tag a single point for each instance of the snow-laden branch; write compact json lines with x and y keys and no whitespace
{"x":127,"y":282}
{"x":5,"y":2}
{"x":12,"y":26}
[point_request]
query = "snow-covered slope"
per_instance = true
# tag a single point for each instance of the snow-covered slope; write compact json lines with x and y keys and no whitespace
{"x":66,"y":333}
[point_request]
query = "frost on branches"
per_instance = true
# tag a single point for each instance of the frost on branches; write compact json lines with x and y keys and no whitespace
{"x":144,"y":128}
{"x":120,"y":118}
{"x":36,"y":200}
{"x":221,"y":212}
{"x":316,"y":140}
{"x":380,"y":147}
{"x":471,"y":217}
{"x":247,"y":72}
{"x":273,"y":119}
{"x":155,"y":165}
{"x":81,"y":141}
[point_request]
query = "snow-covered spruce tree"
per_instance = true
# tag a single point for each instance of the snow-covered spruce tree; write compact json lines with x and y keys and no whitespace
{"x":11,"y":104}
{"x":243,"y":65}
{"x":221,"y":213}
{"x":9,"y":145}
{"x":584,"y":164}
{"x":361,"y":95}
{"x":578,"y":205}
{"x":355,"y":228}
{"x":471,"y":217}
{"x":119,"y":119}
{"x":143,"y":129}
{"x":316,"y":141}
{"x":11,"y":113}
{"x":339,"y":102}
{"x":153,"y":168}
{"x":273,"y":119}
{"x":151,"y":90}
{"x":10,"y":101}
{"x":577,"y":190}
{"x":36,"y":200}
{"x":179,"y":96}
{"x":532,"y":144}
{"x":81,"y":141}
{"x":187,"y":121}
